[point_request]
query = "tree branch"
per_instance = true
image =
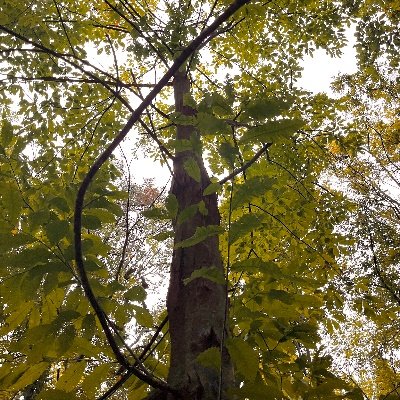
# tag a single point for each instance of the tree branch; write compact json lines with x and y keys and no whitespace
{"x":67,"y":59}
{"x":243,"y":168}
{"x":81,"y":80}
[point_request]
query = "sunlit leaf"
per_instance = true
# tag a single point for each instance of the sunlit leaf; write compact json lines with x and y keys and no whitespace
{"x":71,"y":377}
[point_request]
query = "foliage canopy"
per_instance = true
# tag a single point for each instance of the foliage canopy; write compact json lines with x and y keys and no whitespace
{"x":208,"y":89}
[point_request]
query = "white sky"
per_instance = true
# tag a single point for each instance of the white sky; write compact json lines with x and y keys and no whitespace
{"x":321,"y":68}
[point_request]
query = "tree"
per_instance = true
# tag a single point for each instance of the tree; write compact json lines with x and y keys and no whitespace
{"x":365,"y":160}
{"x":246,"y":291}
{"x":365,"y":155}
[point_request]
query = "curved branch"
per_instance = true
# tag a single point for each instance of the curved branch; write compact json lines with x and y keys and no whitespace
{"x":179,"y":61}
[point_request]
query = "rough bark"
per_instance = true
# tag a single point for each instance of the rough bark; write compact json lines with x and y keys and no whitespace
{"x":196,"y":311}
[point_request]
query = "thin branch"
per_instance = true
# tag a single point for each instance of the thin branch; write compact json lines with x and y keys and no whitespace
{"x":115,"y":59}
{"x":127,"y":230}
{"x":139,"y":31}
{"x":156,"y":139}
{"x":152,"y":131}
{"x":80,"y":80}
{"x":243,"y":168}
{"x":141,"y":97}
{"x":377,"y":269}
{"x":145,"y":353}
{"x":147,"y":348}
{"x":234,"y":123}
{"x":132,"y":11}
{"x":392,"y":391}
{"x":67,"y":58}
{"x":295,"y":178}
{"x":116,"y":386}
{"x":64,"y":28}
{"x":286,"y":227}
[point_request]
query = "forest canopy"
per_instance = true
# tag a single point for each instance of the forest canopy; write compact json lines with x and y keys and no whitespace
{"x":277,"y":234}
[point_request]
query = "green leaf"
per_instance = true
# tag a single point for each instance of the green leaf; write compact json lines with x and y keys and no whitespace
{"x":187,"y":213}
{"x":244,"y":225}
{"x":94,"y":380}
{"x":256,"y":266}
{"x":210,"y":358}
{"x":102,"y":202}
{"x":260,"y":109}
{"x":281,"y":295}
{"x":6,"y":133}
{"x":156,"y":213}
{"x":272,"y":131}
{"x":70,"y":379}
{"x":258,"y":390}
{"x":202,"y":232}
{"x":56,"y":230}
{"x":51,"y":394}
{"x":91,"y":221}
{"x":171,"y":204}
{"x":85,"y":347}
{"x":212,"y":188}
{"x":16,"y":318}
{"x":11,"y":199}
{"x":136,"y":293}
{"x":192,"y":168}
{"x":30,"y":375}
{"x":93,"y":244}
{"x":88,"y":326}
{"x":254,"y":187}
{"x":229,"y":153}
{"x":244,"y":357}
{"x":60,"y":203}
{"x":163,"y":236}
{"x":203,"y":210}
{"x":216,"y":103}
{"x":65,"y":316}
{"x":181,"y":145}
{"x":104,"y":216}
{"x":143,"y":316}
{"x":211,"y":273}
{"x":14,"y":240}
{"x":208,"y":124}
{"x":64,"y":342}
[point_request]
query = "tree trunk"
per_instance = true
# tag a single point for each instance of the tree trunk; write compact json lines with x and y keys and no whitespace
{"x":196,"y":311}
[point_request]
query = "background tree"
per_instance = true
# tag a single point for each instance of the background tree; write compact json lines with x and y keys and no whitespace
{"x":364,"y":152}
{"x":210,"y":90}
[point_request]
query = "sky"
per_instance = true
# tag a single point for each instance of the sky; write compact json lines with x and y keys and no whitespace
{"x":321,"y":68}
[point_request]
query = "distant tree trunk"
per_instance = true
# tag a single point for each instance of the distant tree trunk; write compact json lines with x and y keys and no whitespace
{"x":196,"y":311}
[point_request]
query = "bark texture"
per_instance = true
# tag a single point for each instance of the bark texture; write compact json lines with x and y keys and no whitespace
{"x":196,"y":311}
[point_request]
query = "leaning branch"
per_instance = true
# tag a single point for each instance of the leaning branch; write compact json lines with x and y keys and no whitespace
{"x":243,"y":168}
